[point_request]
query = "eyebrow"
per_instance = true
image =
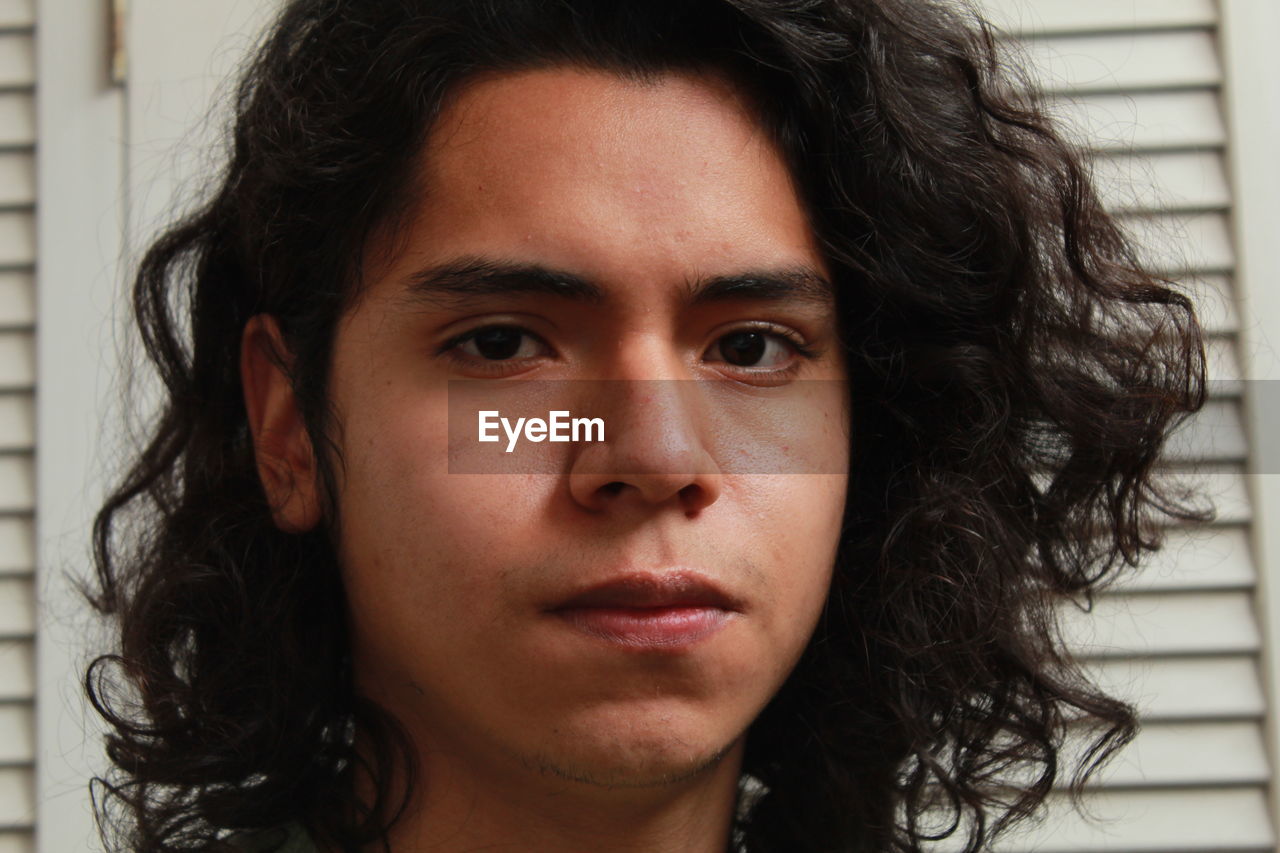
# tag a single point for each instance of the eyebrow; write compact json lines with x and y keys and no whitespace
{"x":457,"y":282}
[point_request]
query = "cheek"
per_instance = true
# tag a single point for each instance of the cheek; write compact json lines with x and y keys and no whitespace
{"x":439,"y":542}
{"x":803,"y":512}
{"x":413,"y":534}
{"x":796,"y":521}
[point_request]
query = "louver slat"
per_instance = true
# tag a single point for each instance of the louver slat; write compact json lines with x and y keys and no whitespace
{"x":17,"y":734}
{"x":17,"y":119}
{"x":17,"y":607}
{"x":1161,"y":821}
{"x":17,"y":546}
{"x":1181,"y":181}
{"x":17,"y":60}
{"x":17,"y":670}
{"x":1128,"y":624}
{"x":17,"y":179}
{"x":17,"y":422}
{"x":1125,"y":62}
{"x":17,"y":13}
{"x":1150,"y":121}
{"x":17,"y":842}
{"x":1207,"y":753}
{"x":17,"y":299}
{"x":17,"y":804}
{"x":1196,"y":559}
{"x":1082,"y":16}
{"x":1213,"y":687}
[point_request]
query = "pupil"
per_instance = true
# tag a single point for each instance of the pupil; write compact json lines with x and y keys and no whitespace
{"x":743,"y":348}
{"x":498,"y":344}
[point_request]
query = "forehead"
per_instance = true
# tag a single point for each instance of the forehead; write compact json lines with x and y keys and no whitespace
{"x":605,"y":175}
{"x":545,"y":112}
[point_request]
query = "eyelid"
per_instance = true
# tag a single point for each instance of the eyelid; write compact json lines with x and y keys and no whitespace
{"x":471,"y":334}
{"x":791,"y":336}
{"x":451,"y":349}
{"x":801,"y":352}
{"x":794,"y":340}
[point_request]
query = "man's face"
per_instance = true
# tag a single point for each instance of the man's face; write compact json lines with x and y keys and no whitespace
{"x":623,"y":621}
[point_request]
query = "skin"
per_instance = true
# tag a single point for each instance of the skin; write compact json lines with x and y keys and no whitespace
{"x":532,"y":735}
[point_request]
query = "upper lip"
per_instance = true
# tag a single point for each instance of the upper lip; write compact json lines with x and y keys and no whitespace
{"x":646,"y":590}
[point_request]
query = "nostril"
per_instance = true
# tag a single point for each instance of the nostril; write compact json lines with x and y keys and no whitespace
{"x":614,"y":487}
{"x":695,"y":498}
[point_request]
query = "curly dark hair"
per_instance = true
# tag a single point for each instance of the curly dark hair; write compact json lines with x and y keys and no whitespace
{"x":1014,"y":371}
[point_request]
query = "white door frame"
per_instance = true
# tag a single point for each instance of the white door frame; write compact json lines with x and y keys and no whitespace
{"x":79,"y":228}
{"x":1251,"y":99}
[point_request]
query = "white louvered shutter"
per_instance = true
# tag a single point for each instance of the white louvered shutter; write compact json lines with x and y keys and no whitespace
{"x":1140,"y":81}
{"x":17,"y":440}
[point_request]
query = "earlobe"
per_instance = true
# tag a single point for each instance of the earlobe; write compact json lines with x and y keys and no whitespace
{"x":282,"y":448}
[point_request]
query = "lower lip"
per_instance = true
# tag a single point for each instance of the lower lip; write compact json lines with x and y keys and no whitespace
{"x":669,"y":628}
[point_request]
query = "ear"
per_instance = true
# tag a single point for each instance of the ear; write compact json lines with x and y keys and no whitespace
{"x":282,"y":448}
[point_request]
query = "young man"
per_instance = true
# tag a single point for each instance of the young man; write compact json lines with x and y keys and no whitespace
{"x":881,"y":386}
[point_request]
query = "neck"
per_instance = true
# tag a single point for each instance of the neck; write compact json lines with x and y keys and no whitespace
{"x":459,"y":805}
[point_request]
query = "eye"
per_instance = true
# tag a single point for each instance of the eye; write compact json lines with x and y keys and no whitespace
{"x":753,"y":348}
{"x":499,"y":343}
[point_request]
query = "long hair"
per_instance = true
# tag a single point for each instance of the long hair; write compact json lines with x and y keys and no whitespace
{"x":1014,"y":375}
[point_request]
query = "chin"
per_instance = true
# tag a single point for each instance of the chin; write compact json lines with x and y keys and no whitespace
{"x":644,"y":754}
{"x":650,"y":772}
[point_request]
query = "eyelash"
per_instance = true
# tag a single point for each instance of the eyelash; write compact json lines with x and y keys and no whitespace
{"x":794,"y":342}
{"x":497,"y":367}
{"x":806,"y":351}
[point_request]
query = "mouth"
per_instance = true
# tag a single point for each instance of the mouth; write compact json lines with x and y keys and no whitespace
{"x":663,"y":612}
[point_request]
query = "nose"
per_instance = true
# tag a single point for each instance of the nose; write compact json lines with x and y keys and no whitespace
{"x":655,"y":450}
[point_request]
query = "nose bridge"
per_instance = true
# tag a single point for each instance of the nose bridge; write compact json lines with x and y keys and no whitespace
{"x":653,"y":409}
{"x":655,"y":449}
{"x":656,"y":426}
{"x":643,"y":352}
